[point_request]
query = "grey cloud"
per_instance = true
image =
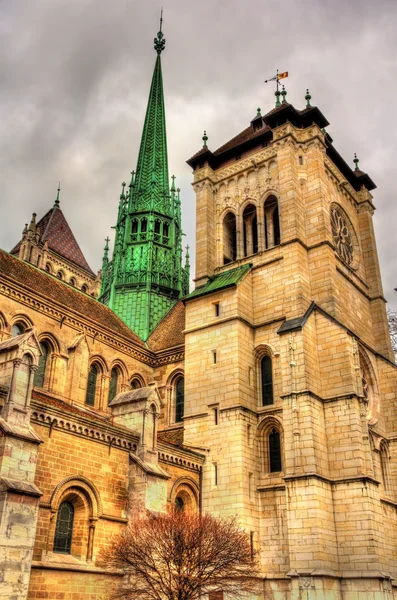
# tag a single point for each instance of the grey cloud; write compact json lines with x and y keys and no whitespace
{"x":75,"y":75}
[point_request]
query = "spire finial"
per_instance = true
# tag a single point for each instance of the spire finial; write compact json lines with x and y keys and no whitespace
{"x":258,"y":112}
{"x":284,"y":94}
{"x":277,"y":94}
{"x":132,"y":179}
{"x":56,"y":203}
{"x":205,"y":139}
{"x":122,"y":195}
{"x":355,"y":160}
{"x":159,"y":41}
{"x":308,"y":98}
{"x":173,"y":183}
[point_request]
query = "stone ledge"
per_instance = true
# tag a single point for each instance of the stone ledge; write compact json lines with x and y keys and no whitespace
{"x":19,"y":487}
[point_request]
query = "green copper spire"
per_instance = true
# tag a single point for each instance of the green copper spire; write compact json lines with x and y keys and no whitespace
{"x":355,"y":160}
{"x":145,"y":277}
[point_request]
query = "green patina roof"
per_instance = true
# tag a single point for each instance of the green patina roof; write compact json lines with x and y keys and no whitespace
{"x":221,"y":281}
{"x":145,"y":277}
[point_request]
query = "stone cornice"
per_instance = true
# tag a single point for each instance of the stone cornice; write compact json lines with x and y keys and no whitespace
{"x":82,"y":426}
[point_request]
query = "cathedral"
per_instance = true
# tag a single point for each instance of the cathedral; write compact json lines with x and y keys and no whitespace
{"x":268,"y":391}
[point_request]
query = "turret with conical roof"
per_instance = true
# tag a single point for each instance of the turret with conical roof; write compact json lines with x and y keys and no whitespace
{"x":145,"y":277}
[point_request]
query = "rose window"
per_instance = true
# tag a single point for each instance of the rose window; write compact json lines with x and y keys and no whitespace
{"x":342,"y":236}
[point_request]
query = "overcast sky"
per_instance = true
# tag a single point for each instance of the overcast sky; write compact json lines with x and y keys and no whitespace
{"x":75,"y":76}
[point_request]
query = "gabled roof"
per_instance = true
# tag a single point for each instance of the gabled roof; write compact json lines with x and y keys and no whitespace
{"x":169,"y":332}
{"x":219,"y":282}
{"x":55,"y":230}
{"x":50,"y":288}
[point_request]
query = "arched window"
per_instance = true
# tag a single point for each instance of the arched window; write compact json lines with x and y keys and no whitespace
{"x":91,"y":386}
{"x":250,"y":230}
{"x":229,"y":238}
{"x":157,"y":226}
{"x":179,"y":399}
{"x":39,"y":375}
{"x":64,"y":528}
{"x":267,"y":381}
{"x":274,"y":451}
{"x":272,"y":222}
{"x":179,"y":504}
{"x":144,"y":225}
{"x":134,"y":226}
{"x":114,"y":378}
{"x":165,"y":229}
{"x":17,"y":329}
{"x":48,"y":268}
{"x":84,"y":288}
{"x":60,"y":275}
{"x":135,"y":383}
{"x":72,"y":282}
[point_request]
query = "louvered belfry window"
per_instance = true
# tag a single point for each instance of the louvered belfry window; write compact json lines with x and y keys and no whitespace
{"x":91,"y":386}
{"x":64,"y":528}
{"x":179,"y":399}
{"x":275,"y":451}
{"x":40,"y":373}
{"x":267,"y":381}
{"x":114,"y":376}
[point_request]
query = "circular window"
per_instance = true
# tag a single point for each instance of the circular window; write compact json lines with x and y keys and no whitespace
{"x":342,"y":236}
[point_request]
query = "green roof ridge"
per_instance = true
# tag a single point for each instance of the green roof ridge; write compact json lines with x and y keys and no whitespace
{"x":229,"y":278}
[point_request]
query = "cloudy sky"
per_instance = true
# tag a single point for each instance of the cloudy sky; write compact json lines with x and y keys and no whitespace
{"x":75,"y":75}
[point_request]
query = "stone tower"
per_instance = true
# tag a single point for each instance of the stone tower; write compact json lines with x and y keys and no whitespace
{"x":145,"y":277}
{"x":290,"y":379}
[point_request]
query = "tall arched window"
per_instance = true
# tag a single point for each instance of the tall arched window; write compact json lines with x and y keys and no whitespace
{"x":91,"y":386}
{"x":179,"y":399}
{"x":250,"y":230}
{"x":39,"y":375}
{"x":272,"y":222}
{"x":84,"y":288}
{"x":274,"y":451}
{"x":229,"y":238}
{"x":64,"y":528}
{"x":267,"y":381}
{"x":114,"y":378}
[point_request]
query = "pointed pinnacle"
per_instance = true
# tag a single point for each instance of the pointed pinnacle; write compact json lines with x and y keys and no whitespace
{"x":173,"y":183}
{"x":132,"y":179}
{"x":56,"y":203}
{"x":205,"y":139}
{"x":355,"y":160}
{"x":308,"y":98}
{"x":122,"y":195}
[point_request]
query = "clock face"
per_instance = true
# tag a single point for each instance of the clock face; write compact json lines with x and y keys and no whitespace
{"x":342,"y":236}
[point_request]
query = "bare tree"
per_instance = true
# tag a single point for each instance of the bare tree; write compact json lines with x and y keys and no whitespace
{"x":392,"y":317}
{"x":179,"y":555}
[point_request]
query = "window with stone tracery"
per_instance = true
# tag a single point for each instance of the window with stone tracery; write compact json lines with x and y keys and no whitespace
{"x":64,"y":528}
{"x":343,"y":235}
{"x":229,"y":238}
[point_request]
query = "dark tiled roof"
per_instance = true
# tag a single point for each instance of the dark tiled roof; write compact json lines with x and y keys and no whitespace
{"x":169,"y":332}
{"x":55,"y":230}
{"x":51,"y":288}
{"x":221,"y":281}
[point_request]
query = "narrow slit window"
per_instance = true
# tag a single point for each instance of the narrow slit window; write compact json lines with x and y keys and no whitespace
{"x":179,"y":399}
{"x":275,"y":451}
{"x":91,"y":386}
{"x":216,"y":308}
{"x":267,"y":381}
{"x":216,"y":474}
{"x":214,"y":358}
{"x":216,"y":416}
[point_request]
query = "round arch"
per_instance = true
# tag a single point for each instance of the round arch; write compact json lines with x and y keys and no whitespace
{"x":78,"y":482}
{"x":48,"y":337}
{"x":186,"y":489}
{"x":98,"y":360}
{"x":138,"y":379}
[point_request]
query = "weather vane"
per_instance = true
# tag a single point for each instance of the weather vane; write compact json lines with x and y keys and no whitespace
{"x":277,"y":77}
